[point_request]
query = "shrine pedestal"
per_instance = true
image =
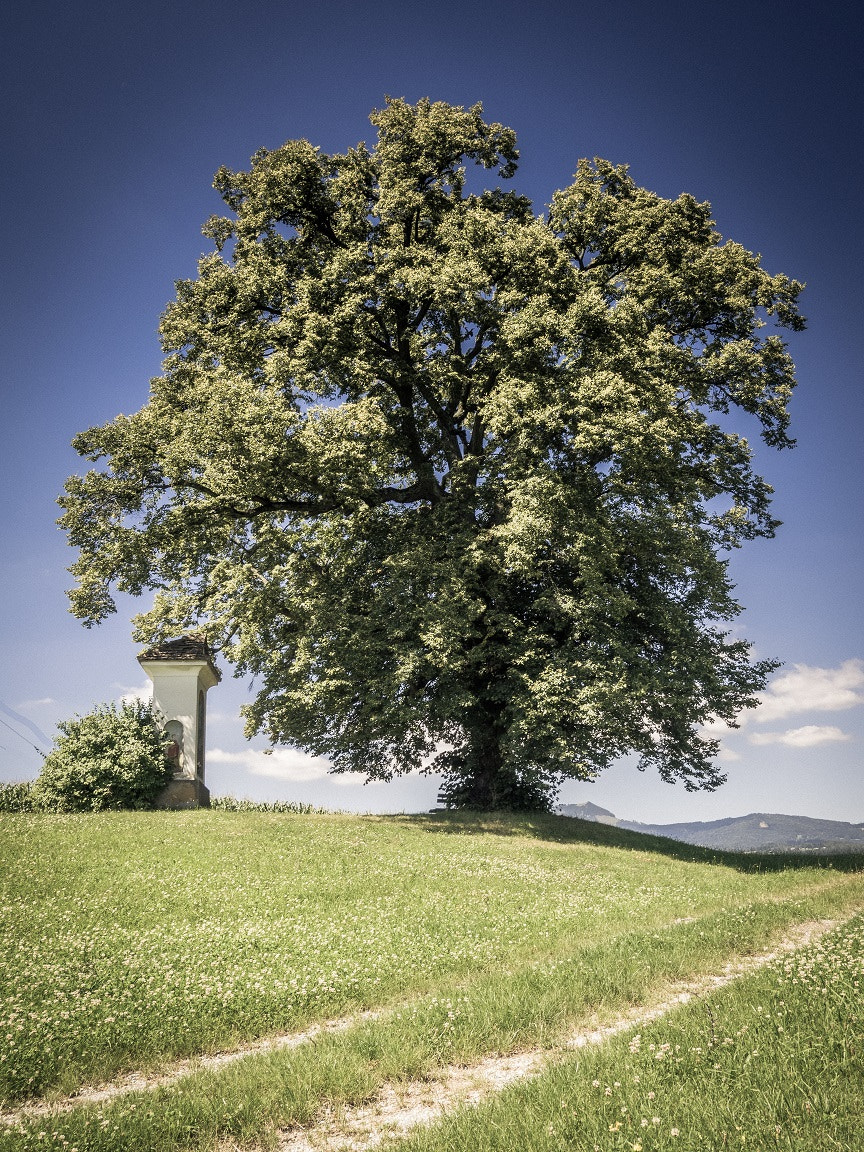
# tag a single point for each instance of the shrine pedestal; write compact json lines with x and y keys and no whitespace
{"x":184,"y":793}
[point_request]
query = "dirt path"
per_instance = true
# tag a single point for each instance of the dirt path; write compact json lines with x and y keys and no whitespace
{"x":398,"y":1108}
{"x":141,"y":1081}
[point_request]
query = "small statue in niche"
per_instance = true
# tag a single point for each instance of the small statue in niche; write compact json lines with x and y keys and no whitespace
{"x":172,"y":733}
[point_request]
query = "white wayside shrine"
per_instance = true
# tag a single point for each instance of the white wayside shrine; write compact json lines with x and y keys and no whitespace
{"x":182,"y":671}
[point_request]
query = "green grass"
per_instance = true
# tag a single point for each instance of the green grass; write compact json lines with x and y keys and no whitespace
{"x":129,"y":939}
{"x":774,"y":1061}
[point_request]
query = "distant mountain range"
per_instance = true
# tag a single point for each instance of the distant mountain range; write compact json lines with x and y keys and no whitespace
{"x":758,"y":832}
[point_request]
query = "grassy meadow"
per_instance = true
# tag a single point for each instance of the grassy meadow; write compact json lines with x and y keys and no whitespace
{"x":774,"y":1061}
{"x":130,"y":940}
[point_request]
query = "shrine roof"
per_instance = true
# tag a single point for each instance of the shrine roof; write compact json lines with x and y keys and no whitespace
{"x":185,"y":648}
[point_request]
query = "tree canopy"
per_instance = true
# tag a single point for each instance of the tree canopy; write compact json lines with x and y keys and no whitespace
{"x":454,"y":481}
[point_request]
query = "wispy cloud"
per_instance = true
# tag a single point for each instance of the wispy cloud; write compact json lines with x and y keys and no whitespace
{"x":282,"y":764}
{"x":806,"y":689}
{"x":806,"y":737}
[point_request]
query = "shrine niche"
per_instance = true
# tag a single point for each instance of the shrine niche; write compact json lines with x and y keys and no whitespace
{"x":182,"y":672}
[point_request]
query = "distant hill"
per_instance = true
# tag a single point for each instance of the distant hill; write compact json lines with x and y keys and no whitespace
{"x":757,"y":832}
{"x":589,"y":811}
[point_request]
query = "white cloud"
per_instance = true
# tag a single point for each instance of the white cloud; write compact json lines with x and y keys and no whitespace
{"x":282,"y":764}
{"x":129,"y":695}
{"x":719,"y":730}
{"x":715,"y":729}
{"x":36,"y":703}
{"x":807,"y":737}
{"x":807,"y":689}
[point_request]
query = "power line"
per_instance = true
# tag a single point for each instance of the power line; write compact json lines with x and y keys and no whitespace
{"x":23,"y":722}
{"x":24,"y":738}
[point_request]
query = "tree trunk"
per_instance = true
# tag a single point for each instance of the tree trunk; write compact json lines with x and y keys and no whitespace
{"x":479,"y":778}
{"x":481,"y":775}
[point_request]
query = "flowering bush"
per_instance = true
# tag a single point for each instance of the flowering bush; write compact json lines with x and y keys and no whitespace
{"x":111,"y":758}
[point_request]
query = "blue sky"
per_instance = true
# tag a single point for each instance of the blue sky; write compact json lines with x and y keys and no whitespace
{"x":117,"y":116}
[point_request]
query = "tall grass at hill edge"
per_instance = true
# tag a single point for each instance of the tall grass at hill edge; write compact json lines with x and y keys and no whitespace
{"x":294,"y":807}
{"x":17,"y":797}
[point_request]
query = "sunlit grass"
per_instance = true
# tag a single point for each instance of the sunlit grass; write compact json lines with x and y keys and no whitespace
{"x":132,"y":938}
{"x":539,"y":1003}
{"x":773,"y":1061}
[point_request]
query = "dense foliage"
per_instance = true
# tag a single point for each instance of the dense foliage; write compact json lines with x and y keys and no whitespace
{"x":111,"y":758}
{"x":451,"y":479}
{"x":16,"y":796}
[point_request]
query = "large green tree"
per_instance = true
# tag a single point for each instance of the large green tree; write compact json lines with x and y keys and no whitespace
{"x":452,"y":480}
